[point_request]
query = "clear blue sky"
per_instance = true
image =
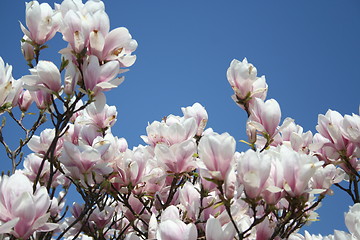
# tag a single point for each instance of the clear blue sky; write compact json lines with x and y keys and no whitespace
{"x":309,"y":52}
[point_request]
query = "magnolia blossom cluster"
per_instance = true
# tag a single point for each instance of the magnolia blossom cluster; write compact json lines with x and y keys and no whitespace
{"x":186,"y":181}
{"x":94,"y":58}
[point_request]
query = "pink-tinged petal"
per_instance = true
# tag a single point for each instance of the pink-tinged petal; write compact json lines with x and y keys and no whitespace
{"x":198,"y":112}
{"x":25,"y":31}
{"x":46,"y":27}
{"x":5,"y":215}
{"x":241,"y":76}
{"x":100,"y":101}
{"x":217,"y":151}
{"x":253,"y":171}
{"x":213,"y":229}
{"x":89,"y":157}
{"x":184,"y":152}
{"x":264,"y":230}
{"x":105,"y":86}
{"x":272,"y":116}
{"x":97,"y":42}
{"x":352,"y":220}
{"x":33,"y":14}
{"x":91,"y":72}
{"x":170,"y":213}
{"x":165,"y":156}
{"x":88,"y":133}
{"x":171,"y":230}
{"x":47,"y":227}
{"x":49,"y":75}
{"x":111,"y":84}
{"x":127,"y":60}
{"x":153,"y":225}
{"x":117,"y":39}
{"x":41,"y":224}
{"x":26,"y":212}
{"x":31,"y":82}
{"x":42,"y":201}
{"x":176,"y":133}
{"x":190,"y":232}
{"x":7,"y":227}
{"x":206,"y":154}
{"x":109,"y":71}
{"x":268,"y":114}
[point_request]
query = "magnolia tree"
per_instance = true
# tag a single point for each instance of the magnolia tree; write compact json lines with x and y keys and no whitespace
{"x":186,"y":181}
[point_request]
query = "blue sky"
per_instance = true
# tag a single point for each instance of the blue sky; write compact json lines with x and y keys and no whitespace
{"x":309,"y":52}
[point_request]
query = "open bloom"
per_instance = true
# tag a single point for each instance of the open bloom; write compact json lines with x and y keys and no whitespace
{"x":10,"y":88}
{"x":298,"y":170}
{"x":42,"y":22}
{"x":86,"y":26}
{"x":25,"y":210}
{"x":351,"y":128}
{"x":170,"y":131}
{"x":101,"y":78}
{"x":243,"y":80}
{"x":198,"y":112}
{"x":177,"y":158}
{"x":84,"y":163}
{"x":45,"y":76}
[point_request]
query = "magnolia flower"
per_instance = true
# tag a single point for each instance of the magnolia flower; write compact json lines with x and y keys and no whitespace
{"x":27,"y":49}
{"x":216,"y":152}
{"x":100,"y":218}
{"x":45,"y":76}
{"x":25,"y":100}
{"x":25,"y":211}
{"x":115,"y":45}
{"x":265,"y":116}
{"x":253,"y":170}
{"x":32,"y":165}
{"x":84,"y":163}
{"x":198,"y":112}
{"x":246,"y":85}
{"x":72,"y":77}
{"x":41,"y":98}
{"x":264,"y":230}
{"x":101,"y":116}
{"x":350,"y":128}
{"x":177,"y":158}
{"x":100,"y":78}
{"x":130,"y":166}
{"x":326,"y":176}
{"x":86,"y":26}
{"x":172,"y":228}
{"x":298,"y":170}
{"x":329,"y":126}
{"x":40,"y":144}
{"x":41,"y":21}
{"x":275,"y":182}
{"x":170,"y":131}
{"x":189,"y":198}
{"x":10,"y":88}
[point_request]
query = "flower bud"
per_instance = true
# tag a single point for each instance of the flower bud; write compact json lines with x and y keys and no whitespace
{"x":27,"y":49}
{"x":25,"y":100}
